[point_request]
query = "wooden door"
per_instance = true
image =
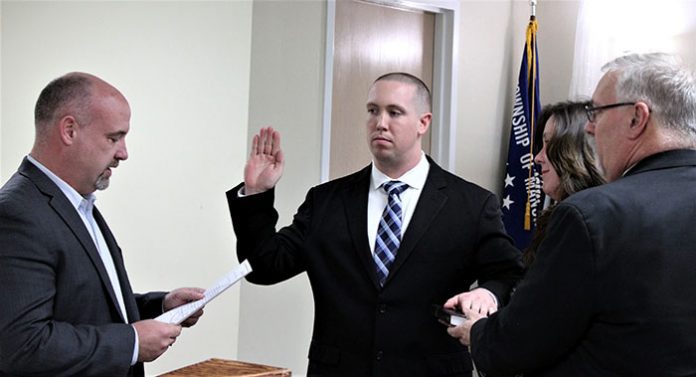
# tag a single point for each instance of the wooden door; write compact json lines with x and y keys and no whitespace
{"x":370,"y":40}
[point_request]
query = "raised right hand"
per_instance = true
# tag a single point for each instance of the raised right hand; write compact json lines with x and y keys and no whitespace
{"x":265,"y":164}
{"x":154,"y":337}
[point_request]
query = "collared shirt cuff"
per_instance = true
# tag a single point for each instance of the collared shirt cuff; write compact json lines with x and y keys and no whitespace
{"x":134,"y":359}
{"x":241,"y":193}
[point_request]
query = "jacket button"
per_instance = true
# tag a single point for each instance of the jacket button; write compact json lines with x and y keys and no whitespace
{"x":382,"y":308}
{"x":379,"y":355}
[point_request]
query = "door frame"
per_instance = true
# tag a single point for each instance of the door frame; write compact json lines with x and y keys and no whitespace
{"x":444,"y":90}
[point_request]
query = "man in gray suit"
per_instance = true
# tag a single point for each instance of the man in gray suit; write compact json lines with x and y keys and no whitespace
{"x":612,"y":291}
{"x":68,"y":308}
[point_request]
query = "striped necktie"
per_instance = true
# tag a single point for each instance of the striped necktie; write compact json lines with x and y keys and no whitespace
{"x":389,"y":230}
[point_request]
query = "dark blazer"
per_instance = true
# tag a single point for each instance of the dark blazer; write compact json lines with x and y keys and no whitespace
{"x":455,"y":237}
{"x":612,"y":291}
{"x":59,"y":314}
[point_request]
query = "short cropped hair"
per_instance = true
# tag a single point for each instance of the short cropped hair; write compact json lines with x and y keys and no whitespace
{"x":661,"y":82}
{"x":67,"y":95}
{"x":423,"y":96}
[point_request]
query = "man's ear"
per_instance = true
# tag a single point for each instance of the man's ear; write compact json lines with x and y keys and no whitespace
{"x":68,"y":128}
{"x":424,"y":123}
{"x":639,"y":122}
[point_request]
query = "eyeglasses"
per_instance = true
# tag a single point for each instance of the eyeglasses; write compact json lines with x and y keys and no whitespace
{"x":593,"y":111}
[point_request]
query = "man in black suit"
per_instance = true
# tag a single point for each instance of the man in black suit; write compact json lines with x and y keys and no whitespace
{"x":68,"y":308}
{"x":612,"y":290}
{"x":373,"y":313}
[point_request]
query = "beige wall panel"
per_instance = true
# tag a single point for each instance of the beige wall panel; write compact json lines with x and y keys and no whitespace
{"x":285,"y":91}
{"x":556,"y":45}
{"x":184,"y":67}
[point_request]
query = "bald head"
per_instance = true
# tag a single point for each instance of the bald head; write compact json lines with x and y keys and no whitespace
{"x":71,"y":94}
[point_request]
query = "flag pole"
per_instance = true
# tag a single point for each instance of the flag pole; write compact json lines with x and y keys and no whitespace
{"x":532,"y":80}
{"x":532,"y":4}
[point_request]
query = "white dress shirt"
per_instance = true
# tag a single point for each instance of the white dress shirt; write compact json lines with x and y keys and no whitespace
{"x":377,"y":199}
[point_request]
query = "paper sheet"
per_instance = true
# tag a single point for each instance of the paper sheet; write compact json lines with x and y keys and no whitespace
{"x":179,"y":314}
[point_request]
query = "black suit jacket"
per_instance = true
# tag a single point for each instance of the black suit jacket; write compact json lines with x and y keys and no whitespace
{"x":455,"y":237}
{"x":612,"y":291}
{"x":59,"y":314}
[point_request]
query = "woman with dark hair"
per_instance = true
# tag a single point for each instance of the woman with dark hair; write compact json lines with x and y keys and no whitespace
{"x":567,"y":160}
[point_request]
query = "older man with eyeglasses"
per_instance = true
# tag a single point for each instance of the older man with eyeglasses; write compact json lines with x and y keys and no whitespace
{"x":612,"y":291}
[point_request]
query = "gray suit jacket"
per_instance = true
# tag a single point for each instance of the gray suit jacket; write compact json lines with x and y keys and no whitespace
{"x":59,"y":314}
{"x":612,"y":291}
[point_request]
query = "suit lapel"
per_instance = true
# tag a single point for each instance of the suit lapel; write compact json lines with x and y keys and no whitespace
{"x":355,"y":197}
{"x":431,"y":201}
{"x":62,"y":206}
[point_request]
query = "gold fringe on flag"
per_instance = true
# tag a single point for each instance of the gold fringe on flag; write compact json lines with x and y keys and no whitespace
{"x":531,"y":82}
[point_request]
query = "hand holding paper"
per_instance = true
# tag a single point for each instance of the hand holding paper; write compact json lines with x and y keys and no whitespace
{"x":182,"y":296}
{"x":181,"y":313}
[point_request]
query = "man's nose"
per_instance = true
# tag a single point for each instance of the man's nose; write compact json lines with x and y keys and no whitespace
{"x":122,"y":152}
{"x":382,"y":121}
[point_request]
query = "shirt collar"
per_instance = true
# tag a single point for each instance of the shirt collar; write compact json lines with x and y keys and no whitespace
{"x":415,"y":178}
{"x":78,"y":201}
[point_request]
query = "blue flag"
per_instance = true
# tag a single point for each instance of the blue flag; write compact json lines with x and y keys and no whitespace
{"x":522,"y":197}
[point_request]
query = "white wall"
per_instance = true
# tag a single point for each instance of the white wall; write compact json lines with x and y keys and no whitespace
{"x":184,"y":66}
{"x":556,"y":45}
{"x":491,"y":43}
{"x":286,"y":91}
{"x":486,"y":55}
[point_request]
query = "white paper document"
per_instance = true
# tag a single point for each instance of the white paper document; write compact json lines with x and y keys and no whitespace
{"x":179,"y":314}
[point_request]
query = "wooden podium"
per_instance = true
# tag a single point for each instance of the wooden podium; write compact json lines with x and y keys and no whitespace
{"x":228,"y":368}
